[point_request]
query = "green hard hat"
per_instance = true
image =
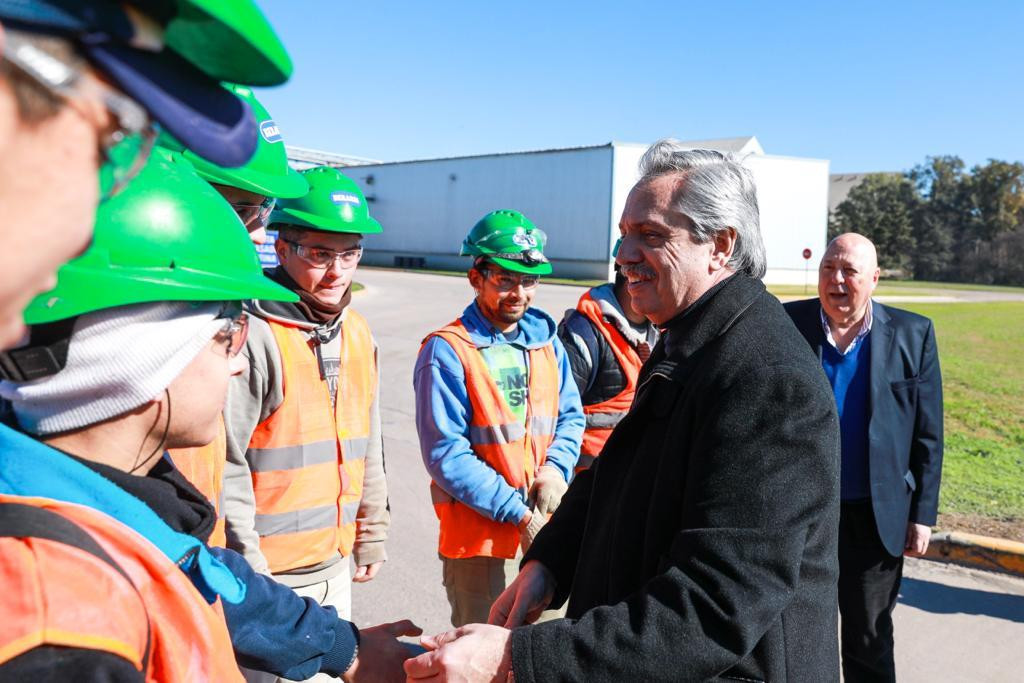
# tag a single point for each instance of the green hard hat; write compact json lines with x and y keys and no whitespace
{"x":267,"y":173}
{"x":334,"y":203}
{"x":168,"y":236}
{"x":229,"y":40}
{"x":509,"y":239}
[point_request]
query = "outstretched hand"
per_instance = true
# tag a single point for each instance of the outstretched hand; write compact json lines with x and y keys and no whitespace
{"x":381,"y":654}
{"x":476,"y":653}
{"x":525,"y":598}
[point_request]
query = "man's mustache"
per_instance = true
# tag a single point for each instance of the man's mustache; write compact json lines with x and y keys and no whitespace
{"x":637,"y":271}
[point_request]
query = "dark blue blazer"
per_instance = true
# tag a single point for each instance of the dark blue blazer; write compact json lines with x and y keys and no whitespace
{"x":905,"y":428}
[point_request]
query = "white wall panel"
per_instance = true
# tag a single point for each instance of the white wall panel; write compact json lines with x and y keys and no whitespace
{"x":793,"y":197}
{"x":427,"y":207}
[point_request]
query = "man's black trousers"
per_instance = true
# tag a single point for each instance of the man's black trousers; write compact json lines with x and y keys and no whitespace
{"x":869,"y":582}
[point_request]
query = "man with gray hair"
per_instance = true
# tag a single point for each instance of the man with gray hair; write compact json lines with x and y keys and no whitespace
{"x":702,"y":543}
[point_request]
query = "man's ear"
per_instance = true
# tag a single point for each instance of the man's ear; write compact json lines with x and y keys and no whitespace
{"x":281,"y":248}
{"x":476,"y":279}
{"x":722,"y":246}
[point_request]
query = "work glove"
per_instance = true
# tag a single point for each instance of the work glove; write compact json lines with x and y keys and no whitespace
{"x":547,"y":491}
{"x":529,"y":531}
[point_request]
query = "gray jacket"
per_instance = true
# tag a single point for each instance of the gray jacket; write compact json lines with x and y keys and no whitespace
{"x":252,"y":397}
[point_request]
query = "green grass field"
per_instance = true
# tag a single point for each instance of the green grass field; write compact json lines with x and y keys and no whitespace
{"x":980,"y":349}
{"x":896,"y":288}
{"x":885,"y":287}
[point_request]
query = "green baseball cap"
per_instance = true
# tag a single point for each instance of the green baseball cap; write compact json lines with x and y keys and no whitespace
{"x":334,"y":203}
{"x":510,"y":240}
{"x":267,"y":173}
{"x":169,"y":236}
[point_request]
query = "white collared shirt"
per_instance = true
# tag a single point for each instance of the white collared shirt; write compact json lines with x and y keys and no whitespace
{"x":865,"y":327}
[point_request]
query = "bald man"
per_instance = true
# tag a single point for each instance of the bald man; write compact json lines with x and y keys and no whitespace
{"x":883,"y":366}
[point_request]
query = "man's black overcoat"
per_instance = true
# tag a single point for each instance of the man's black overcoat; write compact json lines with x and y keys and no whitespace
{"x":702,"y":545}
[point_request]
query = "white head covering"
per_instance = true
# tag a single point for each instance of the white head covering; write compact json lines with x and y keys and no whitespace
{"x":118,"y":359}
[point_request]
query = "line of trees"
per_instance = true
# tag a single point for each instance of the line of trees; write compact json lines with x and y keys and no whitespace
{"x":941,"y":221}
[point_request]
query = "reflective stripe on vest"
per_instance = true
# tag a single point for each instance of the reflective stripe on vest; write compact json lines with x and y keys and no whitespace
{"x":515,"y":450}
{"x":602,"y":417}
{"x":203,"y":466}
{"x":307,"y":459}
{"x":128,"y":599}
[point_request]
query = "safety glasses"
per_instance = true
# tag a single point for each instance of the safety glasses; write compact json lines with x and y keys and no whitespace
{"x":255,"y":216}
{"x":124,"y":150}
{"x":235,"y":330}
{"x":506,"y":281}
{"x":318,"y":257}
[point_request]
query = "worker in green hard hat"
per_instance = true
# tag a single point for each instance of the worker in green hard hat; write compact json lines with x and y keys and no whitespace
{"x":498,"y":415}
{"x":131,"y":354}
{"x":81,"y":84}
{"x":251,"y":189}
{"x":308,"y":402}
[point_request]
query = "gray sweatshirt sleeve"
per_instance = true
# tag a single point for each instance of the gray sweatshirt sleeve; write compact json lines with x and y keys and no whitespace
{"x":374,"y":517}
{"x":581,"y":346}
{"x":252,"y":397}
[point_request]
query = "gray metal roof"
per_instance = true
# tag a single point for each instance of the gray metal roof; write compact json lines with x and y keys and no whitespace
{"x":741,"y":145}
{"x":302,"y":158}
{"x":840,"y":184}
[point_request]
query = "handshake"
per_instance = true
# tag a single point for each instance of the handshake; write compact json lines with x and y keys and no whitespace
{"x":475,"y":652}
{"x":482,"y":653}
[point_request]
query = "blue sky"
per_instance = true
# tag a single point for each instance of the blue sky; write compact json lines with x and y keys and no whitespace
{"x":868,"y":85}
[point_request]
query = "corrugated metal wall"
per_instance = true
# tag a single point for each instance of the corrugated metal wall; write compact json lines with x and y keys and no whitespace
{"x":576,"y":196}
{"x":427,"y":207}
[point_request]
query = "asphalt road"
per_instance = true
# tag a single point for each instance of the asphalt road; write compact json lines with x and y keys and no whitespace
{"x":952,"y":624}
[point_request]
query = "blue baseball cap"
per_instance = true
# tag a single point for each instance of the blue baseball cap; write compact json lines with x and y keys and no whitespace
{"x":169,"y":56}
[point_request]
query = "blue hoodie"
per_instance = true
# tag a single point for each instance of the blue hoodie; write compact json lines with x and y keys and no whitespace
{"x":443,"y":413}
{"x":272,"y":628}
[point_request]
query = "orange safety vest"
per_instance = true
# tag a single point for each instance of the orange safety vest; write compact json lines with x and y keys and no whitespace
{"x":308,"y":459}
{"x":203,"y":466}
{"x":602,"y":417}
{"x":515,"y":451}
{"x":74,"y":577}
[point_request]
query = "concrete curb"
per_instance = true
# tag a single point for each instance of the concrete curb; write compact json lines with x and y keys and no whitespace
{"x":979,"y":552}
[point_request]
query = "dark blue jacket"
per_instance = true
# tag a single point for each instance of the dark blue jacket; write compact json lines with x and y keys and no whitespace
{"x":905,"y":423}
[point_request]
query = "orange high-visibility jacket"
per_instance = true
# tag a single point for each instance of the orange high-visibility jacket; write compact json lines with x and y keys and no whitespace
{"x":602,"y":417}
{"x":308,"y":459}
{"x":203,"y":466}
{"x":74,"y":577}
{"x":514,"y":450}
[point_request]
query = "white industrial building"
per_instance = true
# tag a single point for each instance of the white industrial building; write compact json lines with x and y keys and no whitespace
{"x":576,"y":196}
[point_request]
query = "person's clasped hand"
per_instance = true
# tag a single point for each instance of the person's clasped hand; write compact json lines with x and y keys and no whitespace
{"x":547,"y":490}
{"x":476,"y":653}
{"x":529,"y":527}
{"x":381,"y":655}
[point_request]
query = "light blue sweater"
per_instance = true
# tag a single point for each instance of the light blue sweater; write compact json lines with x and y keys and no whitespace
{"x":443,"y":415}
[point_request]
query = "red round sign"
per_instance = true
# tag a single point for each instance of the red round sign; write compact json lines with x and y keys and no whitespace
{"x":807,"y":254}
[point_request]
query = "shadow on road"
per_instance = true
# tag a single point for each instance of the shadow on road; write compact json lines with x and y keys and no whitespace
{"x":942,"y":599}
